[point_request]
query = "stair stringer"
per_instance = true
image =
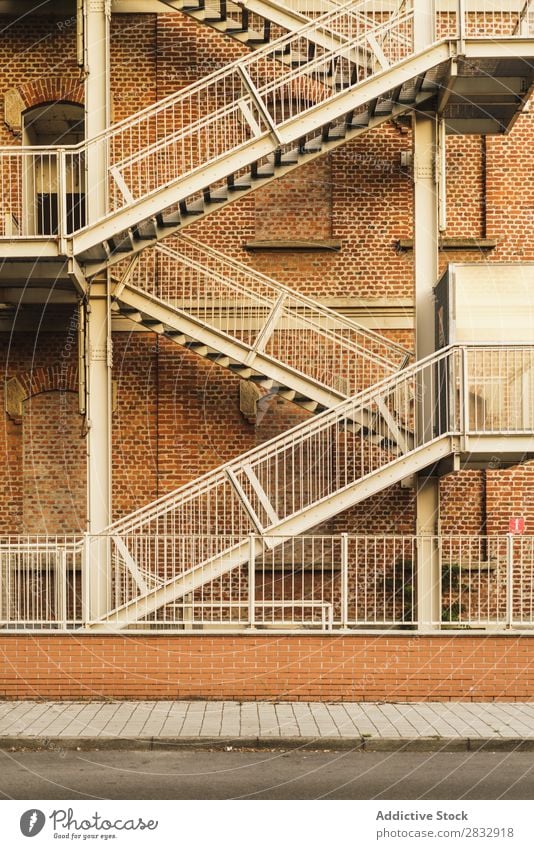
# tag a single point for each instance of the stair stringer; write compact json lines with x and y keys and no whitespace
{"x":402,"y":467}
{"x":182,"y":322}
{"x":282,"y":16}
{"x":304,"y":387}
{"x":291,"y":132}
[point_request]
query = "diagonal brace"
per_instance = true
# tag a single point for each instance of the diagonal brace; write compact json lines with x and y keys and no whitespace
{"x":131,"y":564}
{"x":267,"y":330}
{"x":256,"y":97}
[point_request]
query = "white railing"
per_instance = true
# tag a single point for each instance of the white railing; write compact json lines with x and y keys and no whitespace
{"x":487,"y":581}
{"x":40,"y":582}
{"x":322,"y":456}
{"x":203,"y":122}
{"x":481,"y":16}
{"x":41,"y":191}
{"x":474,"y":580}
{"x":204,"y":526}
{"x":246,"y":100}
{"x":305,"y":581}
{"x":484,"y":18}
{"x":520,"y":581}
{"x":267,"y":317}
{"x":315,"y":582}
{"x":307,"y":468}
{"x":260,"y":18}
{"x":499,"y":384}
{"x":305,"y":9}
{"x":307,"y":463}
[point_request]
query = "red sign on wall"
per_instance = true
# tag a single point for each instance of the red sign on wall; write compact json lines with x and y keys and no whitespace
{"x":517,"y":525}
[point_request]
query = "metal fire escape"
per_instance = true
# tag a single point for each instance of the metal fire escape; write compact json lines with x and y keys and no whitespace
{"x":293,"y":99}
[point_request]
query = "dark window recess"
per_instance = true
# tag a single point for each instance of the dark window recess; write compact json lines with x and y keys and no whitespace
{"x":47,"y":213}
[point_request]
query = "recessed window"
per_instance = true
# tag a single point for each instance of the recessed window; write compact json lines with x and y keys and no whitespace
{"x":52,"y":125}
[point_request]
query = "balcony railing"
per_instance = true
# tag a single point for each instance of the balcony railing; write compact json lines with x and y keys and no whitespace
{"x":346,"y":581}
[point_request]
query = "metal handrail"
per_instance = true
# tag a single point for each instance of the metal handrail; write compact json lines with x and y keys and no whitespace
{"x":309,"y":338}
{"x":317,"y":23}
{"x":339,"y":413}
{"x":222,"y":125}
{"x":303,"y":299}
{"x":333,"y":421}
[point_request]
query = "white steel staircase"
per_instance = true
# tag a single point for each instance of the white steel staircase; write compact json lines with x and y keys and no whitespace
{"x":290,"y":101}
{"x":295,"y":482}
{"x":253,"y":22}
{"x":258,"y":22}
{"x":230,"y":314}
{"x":255,"y":120}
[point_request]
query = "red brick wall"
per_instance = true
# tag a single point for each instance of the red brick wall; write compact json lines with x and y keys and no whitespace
{"x":133,"y":63}
{"x":510,"y":191}
{"x":344,"y":668}
{"x":54,"y":481}
{"x":297,"y":207}
{"x":34,"y":49}
{"x":38,"y":462}
{"x":510,"y":494}
{"x":135,"y":421}
{"x":465,"y":187}
{"x":463,"y":503}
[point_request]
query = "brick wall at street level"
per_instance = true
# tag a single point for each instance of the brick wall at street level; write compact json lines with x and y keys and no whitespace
{"x":246,"y":668}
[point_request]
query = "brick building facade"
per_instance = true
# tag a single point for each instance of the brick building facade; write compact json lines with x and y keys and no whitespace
{"x":339,"y":230}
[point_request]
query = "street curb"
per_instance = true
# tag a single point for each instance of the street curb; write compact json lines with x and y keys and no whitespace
{"x":344,"y":744}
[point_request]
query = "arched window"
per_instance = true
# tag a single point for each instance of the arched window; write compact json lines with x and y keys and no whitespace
{"x":51,"y":125}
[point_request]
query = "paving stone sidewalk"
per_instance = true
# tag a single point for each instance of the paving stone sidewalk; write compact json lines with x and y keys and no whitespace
{"x":373,"y":725}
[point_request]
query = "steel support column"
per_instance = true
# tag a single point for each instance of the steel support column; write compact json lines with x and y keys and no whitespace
{"x":96,"y":24}
{"x":426,"y":234}
{"x":426,"y":240}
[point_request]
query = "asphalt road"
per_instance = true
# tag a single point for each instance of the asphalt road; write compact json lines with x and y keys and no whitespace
{"x":265,"y":775}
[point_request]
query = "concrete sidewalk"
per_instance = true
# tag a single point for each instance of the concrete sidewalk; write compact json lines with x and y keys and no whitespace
{"x":430,"y":726}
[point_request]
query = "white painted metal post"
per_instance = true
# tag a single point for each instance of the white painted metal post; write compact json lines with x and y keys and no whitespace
{"x":465,"y":401}
{"x":3,"y":591}
{"x":526,"y":404}
{"x":526,"y":19}
{"x":97,"y":15}
{"x":189,"y":611}
{"x":509,"y":580}
{"x":426,"y":241}
{"x":98,"y":344}
{"x":251,"y":581}
{"x":344,"y":580}
{"x":61,"y":166}
{"x":442,"y":175}
{"x":461,"y":26}
{"x":424,"y":23}
{"x":61,"y":588}
{"x":267,"y":330}
{"x":86,"y":573}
